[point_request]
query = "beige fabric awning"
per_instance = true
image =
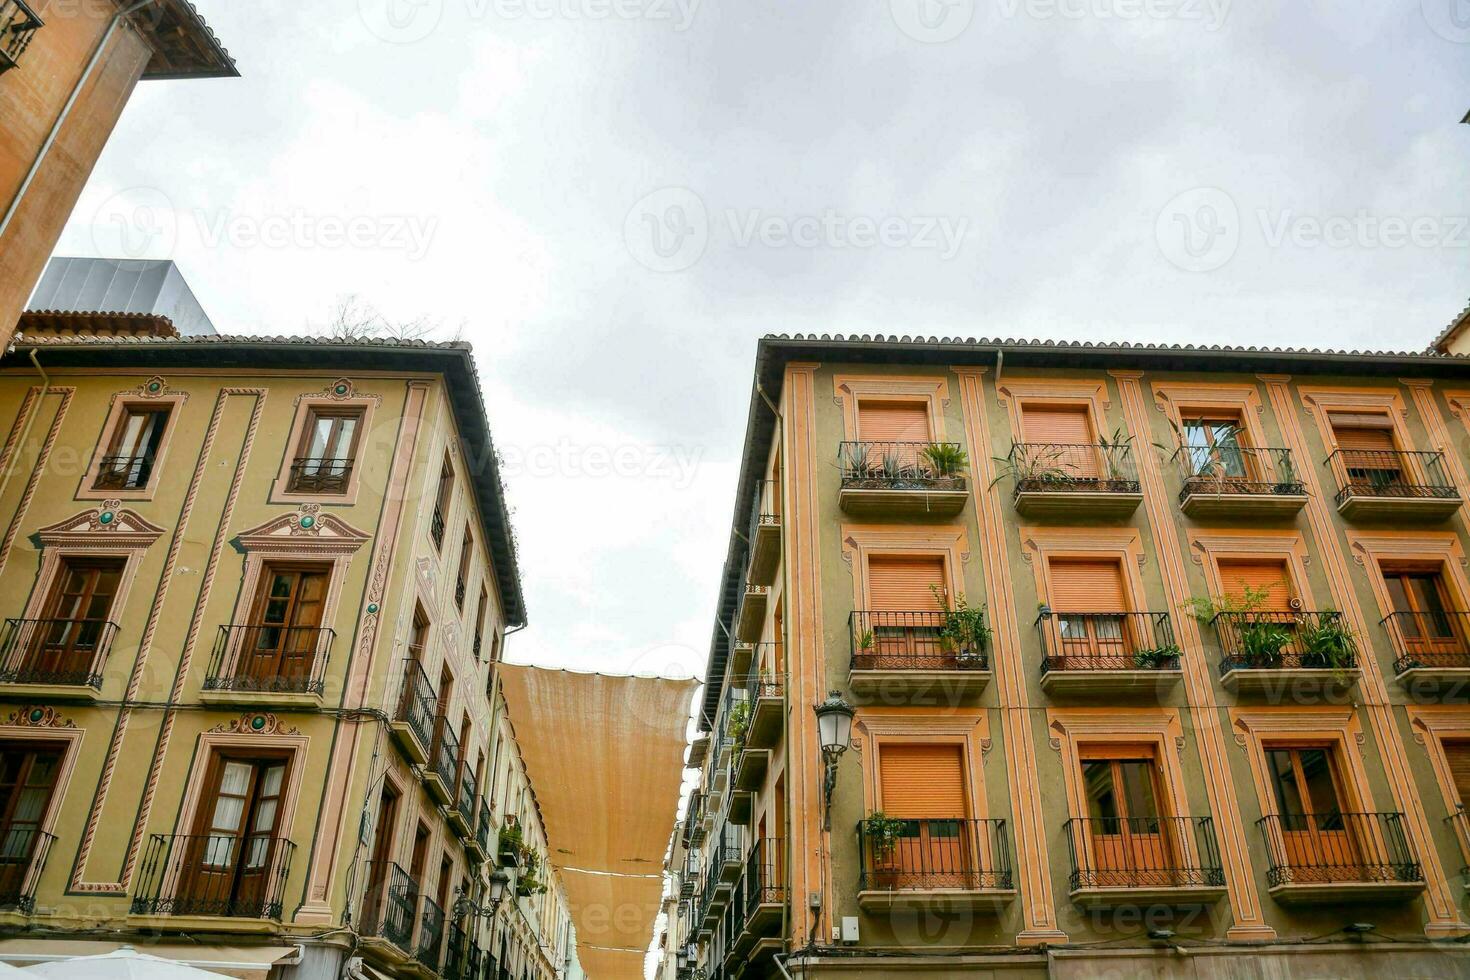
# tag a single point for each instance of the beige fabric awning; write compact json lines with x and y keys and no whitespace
{"x":242,"y":962}
{"x":605,"y":756}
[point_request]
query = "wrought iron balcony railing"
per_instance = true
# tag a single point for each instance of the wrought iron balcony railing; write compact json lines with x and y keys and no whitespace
{"x":1428,"y":639}
{"x":931,"y":466}
{"x":1144,"y":852}
{"x":764,"y":682}
{"x":482,"y":828}
{"x":417,"y":702}
{"x":1106,"y":641}
{"x":455,"y":952}
{"x":1045,"y":467}
{"x":18,"y":24}
{"x":214,"y":875}
{"x":1285,"y":641}
{"x":123,"y":472}
{"x":429,"y":949}
{"x":724,"y":847}
{"x":312,"y":474}
{"x":764,"y":879}
{"x":436,"y":527}
{"x":1390,"y":473}
{"x":765,"y":509}
{"x":444,"y":756}
{"x":465,"y":800}
{"x":256,"y":658}
{"x":66,"y":652}
{"x":388,"y":904}
{"x":883,"y":640}
{"x":970,"y":855}
{"x":1238,"y":470}
{"x":23,"y":856}
{"x":1328,"y":848}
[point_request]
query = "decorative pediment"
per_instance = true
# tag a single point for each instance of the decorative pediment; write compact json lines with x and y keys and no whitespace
{"x":109,"y":525}
{"x":305,"y":531}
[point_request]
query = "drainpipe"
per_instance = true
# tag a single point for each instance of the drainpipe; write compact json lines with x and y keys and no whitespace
{"x":71,"y":101}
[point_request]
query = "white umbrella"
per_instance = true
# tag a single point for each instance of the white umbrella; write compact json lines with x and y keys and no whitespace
{"x":125,"y":963}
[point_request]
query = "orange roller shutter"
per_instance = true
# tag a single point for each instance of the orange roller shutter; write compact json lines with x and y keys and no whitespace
{"x":1458,"y":754}
{"x":1086,"y":586}
{"x":1237,"y":576}
{"x":902,"y":583}
{"x":1057,"y":426}
{"x":893,"y":422}
{"x":923,"y":781}
{"x":1363,"y":437}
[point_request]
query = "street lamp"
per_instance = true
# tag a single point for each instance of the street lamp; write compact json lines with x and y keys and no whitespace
{"x":499,"y":882}
{"x":834,"y":733}
{"x":462,"y":906}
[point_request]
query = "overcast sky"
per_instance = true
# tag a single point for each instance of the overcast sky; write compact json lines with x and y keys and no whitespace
{"x":613,"y":198}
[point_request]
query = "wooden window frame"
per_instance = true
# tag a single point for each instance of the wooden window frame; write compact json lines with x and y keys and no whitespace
{"x":68,"y":741}
{"x":863,"y":541}
{"x":237,"y":740}
{"x":1314,"y":726}
{"x":1432,"y":725}
{"x":1210,"y":547}
{"x":1017,"y":394}
{"x":307,"y":405}
{"x":126,"y":536}
{"x":969,"y":729}
{"x":122,"y":401}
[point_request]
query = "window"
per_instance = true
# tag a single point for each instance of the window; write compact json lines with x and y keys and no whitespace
{"x":904,"y":614}
{"x":480,"y":620}
{"x":1215,"y":447}
{"x":1131,"y":841}
{"x":466,"y":548}
{"x":280,"y":642}
{"x":1369,"y":453}
{"x":883,"y":421}
{"x":325,"y":455}
{"x":1306,"y":784}
{"x":229,"y":859}
{"x":441,"y":502}
{"x":1422,"y":612}
{"x":64,"y":645}
{"x":1266,"y":583}
{"x":1061,"y":440}
{"x":27,"y":780}
{"x":1090,"y":605}
{"x":1457,"y":754}
{"x":133,"y":448}
{"x":924,"y":786}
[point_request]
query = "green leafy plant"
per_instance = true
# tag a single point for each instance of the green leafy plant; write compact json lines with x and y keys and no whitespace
{"x":883,"y":833}
{"x":1156,"y":657}
{"x":739,"y":723}
{"x":1031,"y":465}
{"x":962,"y":628}
{"x":1115,"y":452}
{"x":511,"y":840}
{"x":1327,"y":642}
{"x":1261,"y":640}
{"x":865,"y":641}
{"x":945,"y":459}
{"x":529,"y":882}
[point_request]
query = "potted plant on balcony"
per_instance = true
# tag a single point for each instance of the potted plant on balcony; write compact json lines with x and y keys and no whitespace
{"x":1327,"y":643}
{"x":1259,"y":641}
{"x":883,"y":833}
{"x":1114,"y":450}
{"x":510,"y":843}
{"x":739,"y":725}
{"x":529,"y":882}
{"x":963,"y":632}
{"x":946,"y":463}
{"x":1156,"y":657}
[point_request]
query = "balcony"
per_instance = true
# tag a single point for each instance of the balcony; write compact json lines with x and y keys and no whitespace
{"x":121,"y":472}
{"x":902,"y":479}
{"x":1339,"y":857}
{"x":743,"y":655}
{"x":18,"y":24}
{"x":751,"y":768}
{"x":443,"y":762}
{"x":55,"y":658}
{"x":436,"y":528}
{"x":1381,"y":484}
{"x":479,"y":842}
{"x":214,"y":876}
{"x":698,"y":752}
{"x":1144,"y":860}
{"x":462,"y":814}
{"x":934,"y":863}
{"x":1286,"y":656}
{"x":456,"y":953}
{"x":388,"y":908}
{"x":751,"y":617}
{"x":310,"y":474}
{"x":1430,"y":649}
{"x":765,"y":533}
{"x":21,"y":864}
{"x":413,"y":717}
{"x":741,"y":808}
{"x":262,"y":664}
{"x":1234,"y":481}
{"x":758,"y":905}
{"x":428,"y":950}
{"x":1074,"y":481}
{"x":1101,"y":655}
{"x":694,"y":825}
{"x":911,"y":655}
{"x":725,"y":863}
{"x":765,"y":695}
